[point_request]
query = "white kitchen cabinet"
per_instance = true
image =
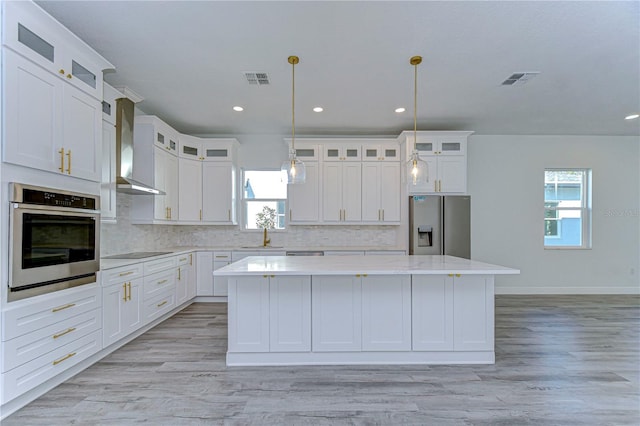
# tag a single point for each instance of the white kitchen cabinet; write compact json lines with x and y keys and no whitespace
{"x":380,"y":192}
{"x":336,"y":313}
{"x":453,"y":313}
{"x":204,"y":267}
{"x":184,"y":278}
{"x":386,"y":313}
{"x":304,"y":199}
{"x":220,"y":260}
{"x":290,"y":314}
{"x":342,"y":192}
{"x":248,"y":312}
{"x":45,"y":335}
{"x":207,"y":180}
{"x":445,"y":152}
{"x":122,"y":309}
{"x":342,"y":151}
{"x":381,"y":151}
{"x":473,"y":312}
{"x":189,"y":190}
{"x":34,"y":34}
{"x":192,"y":281}
{"x":49,"y":124}
{"x":219,"y":193}
{"x":155,"y":164}
{"x":432,"y":313}
{"x":108,"y":182}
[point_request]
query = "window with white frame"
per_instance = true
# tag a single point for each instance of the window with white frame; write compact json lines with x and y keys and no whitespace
{"x":567,"y":208}
{"x":264,"y":197}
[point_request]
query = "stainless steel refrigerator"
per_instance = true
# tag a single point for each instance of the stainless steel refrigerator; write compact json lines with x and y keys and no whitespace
{"x":440,"y":225}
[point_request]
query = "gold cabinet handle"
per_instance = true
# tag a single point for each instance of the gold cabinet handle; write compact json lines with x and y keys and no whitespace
{"x":64,"y":358}
{"x":190,"y":259}
{"x":182,"y":259}
{"x":124,"y":287}
{"x":229,"y":211}
{"x":357,"y":275}
{"x":364,"y":275}
{"x":200,"y":214}
{"x":169,"y":212}
{"x":162,"y":304}
{"x":458,"y":275}
{"x":179,"y":274}
{"x":166,"y":212}
{"x":61,"y":152}
{"x":124,"y":274}
{"x":129,"y":287}
{"x":383,"y":215}
{"x":67,"y":331}
{"x":68,"y":162}
{"x":61,"y":308}
{"x":439,"y":185}
{"x":61,"y":71}
{"x":451,"y":275}
{"x":289,"y":215}
{"x":69,"y":76}
{"x":162,"y":282}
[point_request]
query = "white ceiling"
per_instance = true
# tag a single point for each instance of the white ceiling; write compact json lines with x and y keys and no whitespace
{"x":187,"y":60}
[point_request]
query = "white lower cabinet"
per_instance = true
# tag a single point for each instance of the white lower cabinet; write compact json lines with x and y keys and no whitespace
{"x":336,"y":313}
{"x":453,"y":313}
{"x":432,"y":313}
{"x":45,"y":335}
{"x":249,"y":314}
{"x":122,"y":310}
{"x":386,"y":313}
{"x":473,"y":313}
{"x":185,"y":278}
{"x":290,"y":314}
{"x":220,"y":259}
{"x":270,"y":314}
{"x":204,"y":265}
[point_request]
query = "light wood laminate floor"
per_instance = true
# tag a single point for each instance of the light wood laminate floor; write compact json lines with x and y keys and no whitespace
{"x":560,"y":360}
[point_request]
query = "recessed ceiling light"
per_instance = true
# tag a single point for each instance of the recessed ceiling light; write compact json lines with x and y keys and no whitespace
{"x":400,"y":109}
{"x":318,"y":109}
{"x":238,"y":108}
{"x":632,"y":116}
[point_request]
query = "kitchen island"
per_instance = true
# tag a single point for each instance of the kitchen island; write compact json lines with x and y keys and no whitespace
{"x":361,"y":310}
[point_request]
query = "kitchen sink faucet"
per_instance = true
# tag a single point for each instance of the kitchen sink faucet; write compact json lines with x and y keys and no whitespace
{"x":265,"y":241}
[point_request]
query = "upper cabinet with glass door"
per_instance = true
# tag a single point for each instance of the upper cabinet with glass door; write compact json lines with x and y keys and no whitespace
{"x":31,"y":32}
{"x":219,"y":149}
{"x":383,"y":150}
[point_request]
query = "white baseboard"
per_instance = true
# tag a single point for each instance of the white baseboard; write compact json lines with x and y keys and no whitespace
{"x":567,"y":290}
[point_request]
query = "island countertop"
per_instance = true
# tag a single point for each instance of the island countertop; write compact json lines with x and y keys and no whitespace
{"x":372,"y":265}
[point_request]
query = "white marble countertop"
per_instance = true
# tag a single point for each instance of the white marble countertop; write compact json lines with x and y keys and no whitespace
{"x":174,"y":251}
{"x":372,"y":265}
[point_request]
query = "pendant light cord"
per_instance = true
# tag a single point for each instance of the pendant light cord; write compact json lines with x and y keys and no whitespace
{"x":415,"y":106}
{"x":293,"y":60}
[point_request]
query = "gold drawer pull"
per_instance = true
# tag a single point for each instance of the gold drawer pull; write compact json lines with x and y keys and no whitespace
{"x":222,"y":257}
{"x":64,"y":358}
{"x":124,"y":274}
{"x":67,"y":331}
{"x":451,"y":275}
{"x":184,"y":258}
{"x":61,"y":308}
{"x":458,"y":275}
{"x":162,"y":282}
{"x":162,"y":304}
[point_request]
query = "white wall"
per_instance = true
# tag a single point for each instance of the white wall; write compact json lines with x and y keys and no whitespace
{"x":506,"y":175}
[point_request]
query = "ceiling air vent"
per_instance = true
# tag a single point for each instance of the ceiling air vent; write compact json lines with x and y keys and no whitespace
{"x":257,"y":78}
{"x":519,"y":78}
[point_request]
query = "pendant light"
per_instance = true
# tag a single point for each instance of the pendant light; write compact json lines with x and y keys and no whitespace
{"x":417,"y":169}
{"x":293,"y":167}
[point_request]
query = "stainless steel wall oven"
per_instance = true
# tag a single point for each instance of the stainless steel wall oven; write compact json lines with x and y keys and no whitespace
{"x":54,"y":240}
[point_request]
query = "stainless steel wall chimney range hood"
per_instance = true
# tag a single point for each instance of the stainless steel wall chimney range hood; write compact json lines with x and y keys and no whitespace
{"x":125,"y":111}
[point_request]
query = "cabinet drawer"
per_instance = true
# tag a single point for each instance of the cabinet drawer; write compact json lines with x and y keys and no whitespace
{"x":122,"y":274}
{"x":159,"y":265}
{"x":221,"y":256}
{"x":28,"y":315}
{"x":184,"y":259}
{"x":33,"y":373}
{"x":30,"y":346}
{"x":157,"y":283}
{"x":159,"y":305}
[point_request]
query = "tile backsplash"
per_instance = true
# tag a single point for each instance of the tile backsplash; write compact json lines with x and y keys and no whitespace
{"x":123,"y":237}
